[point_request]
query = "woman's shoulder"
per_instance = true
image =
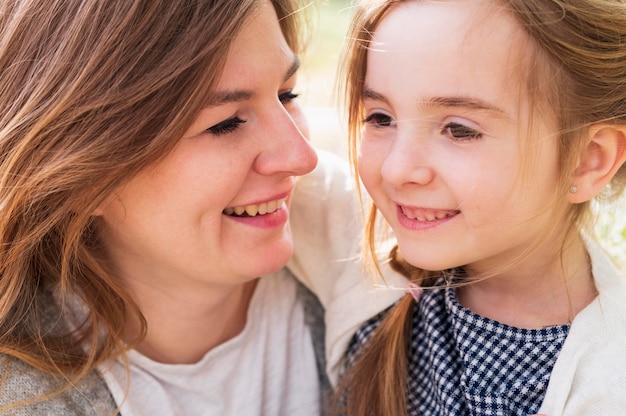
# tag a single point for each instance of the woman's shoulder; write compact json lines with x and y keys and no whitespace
{"x":22,"y":383}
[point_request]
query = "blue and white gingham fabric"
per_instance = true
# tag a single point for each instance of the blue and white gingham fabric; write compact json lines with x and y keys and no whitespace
{"x":463,"y":364}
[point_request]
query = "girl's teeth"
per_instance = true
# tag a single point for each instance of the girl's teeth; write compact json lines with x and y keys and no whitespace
{"x":425,"y":217}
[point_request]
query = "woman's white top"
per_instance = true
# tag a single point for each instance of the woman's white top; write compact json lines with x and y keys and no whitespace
{"x":268,"y":369}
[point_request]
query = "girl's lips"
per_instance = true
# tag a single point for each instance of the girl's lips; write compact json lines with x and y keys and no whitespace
{"x":426,"y":214}
{"x":418,"y":219}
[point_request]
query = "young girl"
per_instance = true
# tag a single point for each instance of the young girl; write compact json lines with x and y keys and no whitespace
{"x":148,"y":157}
{"x":486,"y":129}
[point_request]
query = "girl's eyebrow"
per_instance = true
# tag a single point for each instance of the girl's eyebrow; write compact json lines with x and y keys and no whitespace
{"x":225,"y":97}
{"x":370,"y":94}
{"x":470,"y":103}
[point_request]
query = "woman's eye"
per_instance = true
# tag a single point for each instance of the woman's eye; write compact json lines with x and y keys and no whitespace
{"x":379,"y":120}
{"x":226,"y":126}
{"x":287,"y":97}
{"x":459,"y":132}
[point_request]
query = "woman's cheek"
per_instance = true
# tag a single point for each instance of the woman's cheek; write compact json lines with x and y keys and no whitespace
{"x":298,"y":117}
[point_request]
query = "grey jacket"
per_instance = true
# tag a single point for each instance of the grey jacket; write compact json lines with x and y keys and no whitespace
{"x":91,"y":396}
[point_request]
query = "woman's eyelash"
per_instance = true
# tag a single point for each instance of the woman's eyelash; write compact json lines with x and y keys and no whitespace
{"x":459,"y":132}
{"x":287,"y":97}
{"x":379,"y":120}
{"x":226,"y":126}
{"x":230,"y":125}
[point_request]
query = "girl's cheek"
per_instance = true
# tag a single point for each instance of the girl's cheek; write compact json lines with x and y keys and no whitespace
{"x":370,"y":162}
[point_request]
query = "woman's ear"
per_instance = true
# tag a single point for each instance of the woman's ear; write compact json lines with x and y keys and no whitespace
{"x":604,"y":154}
{"x":100,"y":209}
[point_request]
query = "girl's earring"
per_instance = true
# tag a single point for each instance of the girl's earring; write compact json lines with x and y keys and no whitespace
{"x":573,"y":189}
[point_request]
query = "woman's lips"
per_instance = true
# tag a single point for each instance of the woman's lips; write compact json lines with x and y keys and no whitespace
{"x":256,"y":209}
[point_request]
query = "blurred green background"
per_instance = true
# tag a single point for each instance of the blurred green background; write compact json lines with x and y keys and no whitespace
{"x":329,"y":23}
{"x":330,"y":19}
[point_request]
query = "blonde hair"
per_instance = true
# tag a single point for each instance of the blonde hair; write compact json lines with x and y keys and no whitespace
{"x":91,"y":93}
{"x":576,"y":68}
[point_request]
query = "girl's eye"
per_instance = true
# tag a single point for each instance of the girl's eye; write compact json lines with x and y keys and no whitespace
{"x":226,"y":126}
{"x":459,"y":132}
{"x":287,"y":97}
{"x":379,"y":120}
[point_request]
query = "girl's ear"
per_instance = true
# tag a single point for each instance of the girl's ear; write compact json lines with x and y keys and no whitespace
{"x":604,"y":155}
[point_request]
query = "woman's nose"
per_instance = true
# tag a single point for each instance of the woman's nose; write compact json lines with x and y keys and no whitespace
{"x":287,"y":150}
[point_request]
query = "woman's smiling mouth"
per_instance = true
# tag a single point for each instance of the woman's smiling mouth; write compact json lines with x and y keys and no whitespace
{"x":254,"y":210}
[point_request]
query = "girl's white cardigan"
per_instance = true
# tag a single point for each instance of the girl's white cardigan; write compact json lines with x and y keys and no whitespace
{"x":589,"y":378}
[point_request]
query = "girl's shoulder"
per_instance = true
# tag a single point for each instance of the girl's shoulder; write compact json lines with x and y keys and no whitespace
{"x":22,"y":383}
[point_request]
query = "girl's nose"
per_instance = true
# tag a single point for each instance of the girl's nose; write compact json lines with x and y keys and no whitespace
{"x":407,"y":163}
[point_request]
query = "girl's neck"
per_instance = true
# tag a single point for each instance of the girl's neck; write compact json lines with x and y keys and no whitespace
{"x":533,"y":297}
{"x":183,"y":327}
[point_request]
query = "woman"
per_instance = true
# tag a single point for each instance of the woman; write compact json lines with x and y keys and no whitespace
{"x":149,"y":153}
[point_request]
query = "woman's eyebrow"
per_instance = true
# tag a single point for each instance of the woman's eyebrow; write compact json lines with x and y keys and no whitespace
{"x":224,"y":97}
{"x":295,"y":65}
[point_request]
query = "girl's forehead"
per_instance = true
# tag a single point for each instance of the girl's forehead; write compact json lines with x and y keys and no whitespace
{"x":463,"y":27}
{"x":464,"y":48}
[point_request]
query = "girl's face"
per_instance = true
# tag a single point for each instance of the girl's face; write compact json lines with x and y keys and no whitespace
{"x":215,"y":210}
{"x":444,"y":133}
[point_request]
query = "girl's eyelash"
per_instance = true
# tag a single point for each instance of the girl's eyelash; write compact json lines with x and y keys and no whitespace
{"x":456,"y":131}
{"x":379,"y":120}
{"x":226,"y":126}
{"x":459,"y":132}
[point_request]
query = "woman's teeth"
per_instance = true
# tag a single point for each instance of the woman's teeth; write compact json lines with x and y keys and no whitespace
{"x":254,"y":210}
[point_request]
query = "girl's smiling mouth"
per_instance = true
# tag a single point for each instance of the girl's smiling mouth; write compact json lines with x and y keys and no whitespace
{"x":255,"y":209}
{"x":426,"y":214}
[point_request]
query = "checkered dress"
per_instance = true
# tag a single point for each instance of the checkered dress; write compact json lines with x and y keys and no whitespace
{"x":463,"y":364}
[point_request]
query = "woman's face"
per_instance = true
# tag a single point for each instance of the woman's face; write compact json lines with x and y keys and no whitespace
{"x":215,"y":210}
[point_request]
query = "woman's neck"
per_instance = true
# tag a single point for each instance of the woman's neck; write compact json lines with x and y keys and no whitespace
{"x":536,"y":293}
{"x":183,"y":327}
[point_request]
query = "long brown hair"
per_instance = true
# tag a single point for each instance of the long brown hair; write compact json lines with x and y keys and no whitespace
{"x":576,"y":69}
{"x":91,"y":93}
